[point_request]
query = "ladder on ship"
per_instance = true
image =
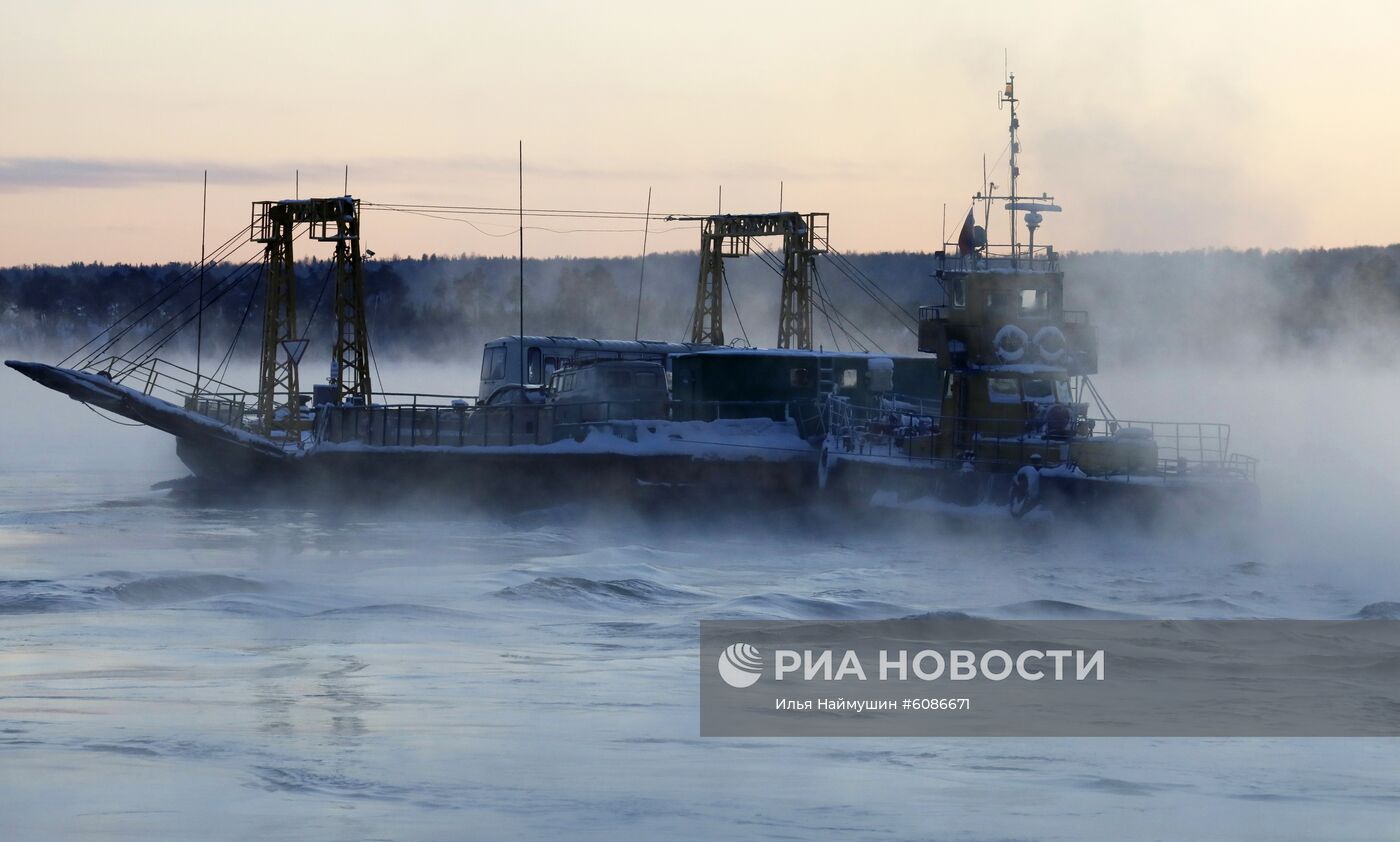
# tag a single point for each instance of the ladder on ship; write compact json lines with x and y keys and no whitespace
{"x":826,"y":375}
{"x":811,"y":414}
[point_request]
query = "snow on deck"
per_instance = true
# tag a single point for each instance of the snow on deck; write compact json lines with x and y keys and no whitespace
{"x":759,"y":439}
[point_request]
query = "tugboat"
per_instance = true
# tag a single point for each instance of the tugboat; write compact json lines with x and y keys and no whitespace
{"x":1012,"y":425}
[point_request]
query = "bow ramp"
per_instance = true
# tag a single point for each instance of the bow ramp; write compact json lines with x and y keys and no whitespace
{"x":186,"y":425}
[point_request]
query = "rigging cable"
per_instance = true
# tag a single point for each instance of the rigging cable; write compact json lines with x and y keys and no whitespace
{"x":483,"y":210}
{"x":143,"y":303}
{"x":221,"y":289}
{"x":867,"y":285}
{"x":311,"y":320}
{"x":228,"y":355}
{"x":240,"y":274}
{"x":729,"y":293}
{"x":830,"y":327}
{"x":188,"y":276}
{"x":860,"y":273}
{"x":515,"y":230}
{"x":826,"y":306}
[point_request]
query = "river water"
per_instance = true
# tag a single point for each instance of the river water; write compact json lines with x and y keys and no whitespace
{"x":178,"y":669}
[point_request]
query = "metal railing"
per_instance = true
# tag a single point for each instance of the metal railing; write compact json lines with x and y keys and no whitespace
{"x":999,"y":258}
{"x":229,"y":404}
{"x":938,"y":312}
{"x":172,"y":382}
{"x":913,"y":430}
{"x":417,"y":425}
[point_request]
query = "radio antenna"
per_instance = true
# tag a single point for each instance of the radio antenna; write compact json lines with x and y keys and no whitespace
{"x":646,"y":229}
{"x":199,"y":318}
{"x":521,"y":148}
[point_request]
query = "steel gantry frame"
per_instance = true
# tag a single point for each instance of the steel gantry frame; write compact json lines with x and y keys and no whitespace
{"x":336,"y":220}
{"x":350,"y":353}
{"x":731,"y":235}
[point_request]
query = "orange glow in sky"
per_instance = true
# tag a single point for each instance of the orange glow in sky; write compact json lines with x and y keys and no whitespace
{"x":1158,"y":126}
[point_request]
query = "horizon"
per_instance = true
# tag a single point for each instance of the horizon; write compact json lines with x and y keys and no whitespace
{"x":318,"y":257}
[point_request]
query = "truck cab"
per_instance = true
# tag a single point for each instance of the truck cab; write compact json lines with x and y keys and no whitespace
{"x":609,"y":390}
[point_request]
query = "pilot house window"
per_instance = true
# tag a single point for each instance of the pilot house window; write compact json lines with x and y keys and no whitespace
{"x":1003,"y":390}
{"x":1040,"y":390}
{"x":1033,"y":300}
{"x":850,"y":378}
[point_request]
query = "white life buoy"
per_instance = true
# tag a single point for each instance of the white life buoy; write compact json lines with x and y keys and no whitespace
{"x":1051,"y":344}
{"x":1010,"y":343}
{"x":1025,"y":491}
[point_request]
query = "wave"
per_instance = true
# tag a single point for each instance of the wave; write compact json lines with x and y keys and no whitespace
{"x":1379,"y":611}
{"x":305,"y":781}
{"x":594,"y":592}
{"x":99,"y":590}
{"x":162,"y":590}
{"x":1055,"y":609}
{"x":785,"y":606}
{"x":397,"y":610}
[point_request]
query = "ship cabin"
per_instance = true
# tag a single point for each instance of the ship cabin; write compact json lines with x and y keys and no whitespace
{"x":779,"y":384}
{"x":1010,"y":347}
{"x":1000,"y":311}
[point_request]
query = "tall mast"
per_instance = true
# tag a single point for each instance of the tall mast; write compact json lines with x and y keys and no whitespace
{"x":1009,"y":97}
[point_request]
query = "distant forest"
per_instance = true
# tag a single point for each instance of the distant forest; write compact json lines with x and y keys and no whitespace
{"x":1197,"y":304}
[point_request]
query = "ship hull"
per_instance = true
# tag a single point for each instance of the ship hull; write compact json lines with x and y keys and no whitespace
{"x":731,"y":460}
{"x":393,"y":474}
{"x":1145,"y":499}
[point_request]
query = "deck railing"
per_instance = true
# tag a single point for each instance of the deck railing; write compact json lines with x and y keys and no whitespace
{"x":463,"y":425}
{"x":999,"y":258}
{"x":886,"y":430}
{"x":892,"y":429}
{"x":177,"y":384}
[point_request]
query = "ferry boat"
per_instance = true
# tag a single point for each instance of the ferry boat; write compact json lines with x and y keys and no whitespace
{"x":994,"y":409}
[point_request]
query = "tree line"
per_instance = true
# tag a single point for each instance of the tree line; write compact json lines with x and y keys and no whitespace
{"x":1191,"y":303}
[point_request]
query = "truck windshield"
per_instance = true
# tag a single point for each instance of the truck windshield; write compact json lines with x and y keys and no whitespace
{"x":493,"y":364}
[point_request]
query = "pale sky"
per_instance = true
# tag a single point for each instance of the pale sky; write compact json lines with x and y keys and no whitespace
{"x":1161,"y":126}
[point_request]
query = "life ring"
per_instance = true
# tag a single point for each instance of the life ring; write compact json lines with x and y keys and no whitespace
{"x":1025,"y":492}
{"x":1051,"y":344}
{"x":1010,"y":343}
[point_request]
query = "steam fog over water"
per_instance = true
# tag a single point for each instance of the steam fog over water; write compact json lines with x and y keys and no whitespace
{"x":203,"y":669}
